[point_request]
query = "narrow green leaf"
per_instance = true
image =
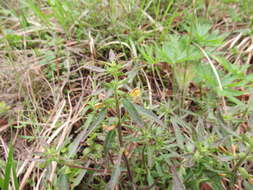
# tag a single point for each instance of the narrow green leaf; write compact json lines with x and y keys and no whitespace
{"x":80,"y":176}
{"x":37,"y":11}
{"x":8,"y":167}
{"x":224,"y":126}
{"x":15,"y":177}
{"x":63,"y":182}
{"x":1,"y":183}
{"x":150,"y":179}
{"x":73,"y":147}
{"x":109,"y":140}
{"x":96,"y":122}
{"x":88,"y":129}
{"x":179,"y":137}
{"x":133,"y":112}
{"x":148,"y":113}
{"x":99,"y":119}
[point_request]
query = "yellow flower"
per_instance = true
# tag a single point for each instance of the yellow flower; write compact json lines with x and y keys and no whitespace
{"x":99,"y":105}
{"x":136,"y":92}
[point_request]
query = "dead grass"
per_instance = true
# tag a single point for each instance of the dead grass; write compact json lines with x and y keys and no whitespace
{"x":52,"y":82}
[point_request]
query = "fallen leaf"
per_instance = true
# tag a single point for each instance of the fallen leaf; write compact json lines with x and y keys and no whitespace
{"x":109,"y":128}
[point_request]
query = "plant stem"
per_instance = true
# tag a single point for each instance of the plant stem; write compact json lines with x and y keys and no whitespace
{"x":119,"y":128}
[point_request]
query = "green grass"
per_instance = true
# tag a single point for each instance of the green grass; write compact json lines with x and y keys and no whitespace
{"x":126,"y":94}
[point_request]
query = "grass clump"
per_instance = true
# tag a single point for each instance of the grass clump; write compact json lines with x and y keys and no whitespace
{"x":126,"y":94}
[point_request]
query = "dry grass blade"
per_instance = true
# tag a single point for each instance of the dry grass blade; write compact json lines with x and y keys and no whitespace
{"x":215,"y":73}
{"x":67,"y":68}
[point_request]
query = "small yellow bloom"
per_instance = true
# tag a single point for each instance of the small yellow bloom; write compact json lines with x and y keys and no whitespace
{"x":99,"y":105}
{"x":109,"y":128}
{"x":136,"y":92}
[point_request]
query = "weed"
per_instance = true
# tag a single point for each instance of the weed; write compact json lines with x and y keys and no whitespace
{"x":113,"y":94}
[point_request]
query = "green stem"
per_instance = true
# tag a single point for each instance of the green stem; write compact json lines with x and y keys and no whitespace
{"x":119,"y":128}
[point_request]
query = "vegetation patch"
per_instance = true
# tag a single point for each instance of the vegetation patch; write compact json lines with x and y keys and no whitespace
{"x":126,"y":94}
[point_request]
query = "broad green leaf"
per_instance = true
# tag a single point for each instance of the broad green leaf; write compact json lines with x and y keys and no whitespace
{"x":133,"y":112}
{"x":244,"y":173}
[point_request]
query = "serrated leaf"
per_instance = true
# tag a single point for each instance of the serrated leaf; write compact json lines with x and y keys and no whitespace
{"x":133,"y":113}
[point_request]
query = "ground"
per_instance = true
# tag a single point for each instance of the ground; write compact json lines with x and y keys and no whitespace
{"x":126,"y":94}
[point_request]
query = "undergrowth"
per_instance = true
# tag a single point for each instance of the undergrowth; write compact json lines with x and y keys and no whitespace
{"x":126,"y":94}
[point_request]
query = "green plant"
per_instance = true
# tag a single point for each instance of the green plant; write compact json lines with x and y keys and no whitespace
{"x":10,"y":176}
{"x":124,"y":94}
